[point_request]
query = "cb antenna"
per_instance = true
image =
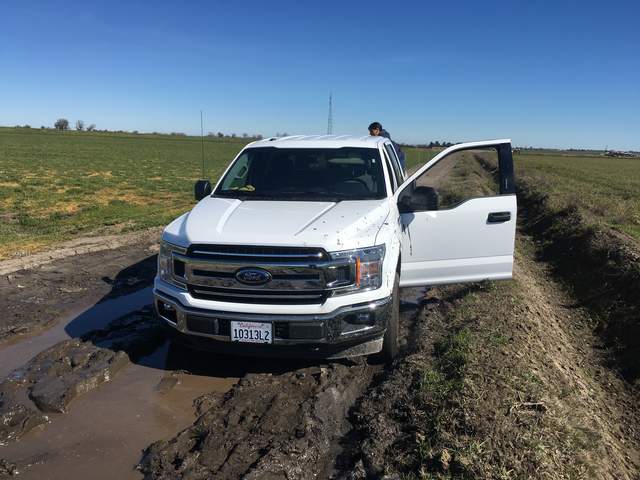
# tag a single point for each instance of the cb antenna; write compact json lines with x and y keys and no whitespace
{"x":330,"y":120}
{"x":202,"y":141}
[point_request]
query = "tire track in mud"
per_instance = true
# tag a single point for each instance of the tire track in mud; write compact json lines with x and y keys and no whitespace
{"x":287,"y":425}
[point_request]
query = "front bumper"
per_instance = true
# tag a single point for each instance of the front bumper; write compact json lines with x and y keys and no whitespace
{"x":348,"y":331}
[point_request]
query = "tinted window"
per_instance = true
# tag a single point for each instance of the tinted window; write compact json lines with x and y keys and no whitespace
{"x":459,"y":177}
{"x":312,"y":174}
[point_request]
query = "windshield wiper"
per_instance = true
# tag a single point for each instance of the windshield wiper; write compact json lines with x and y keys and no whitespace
{"x":245,"y":195}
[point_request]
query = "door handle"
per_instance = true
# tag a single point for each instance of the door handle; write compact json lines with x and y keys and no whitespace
{"x":499,"y":217}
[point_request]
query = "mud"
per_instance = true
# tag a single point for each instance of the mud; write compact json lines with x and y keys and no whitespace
{"x":267,"y":426}
{"x":104,"y":432}
{"x":283,"y":420}
{"x":56,"y":376}
{"x":77,"y":247}
{"x":40,"y":297}
{"x":20,"y":349}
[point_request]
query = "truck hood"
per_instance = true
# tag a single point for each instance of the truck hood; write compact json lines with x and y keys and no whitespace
{"x":331,"y":225}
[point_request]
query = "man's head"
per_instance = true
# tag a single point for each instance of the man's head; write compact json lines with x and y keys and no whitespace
{"x":375,"y":129}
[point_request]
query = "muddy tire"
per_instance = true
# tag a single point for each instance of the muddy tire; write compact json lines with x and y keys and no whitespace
{"x":390,"y":342}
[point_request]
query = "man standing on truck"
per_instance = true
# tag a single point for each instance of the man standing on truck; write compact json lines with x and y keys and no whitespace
{"x":376,"y":130}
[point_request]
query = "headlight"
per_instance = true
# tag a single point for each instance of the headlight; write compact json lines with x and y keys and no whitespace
{"x":366,"y":267}
{"x":166,"y":263}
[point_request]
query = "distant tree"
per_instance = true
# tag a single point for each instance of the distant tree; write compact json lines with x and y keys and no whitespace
{"x":233,"y":135}
{"x":62,"y":124}
{"x":42,"y":127}
{"x":245,"y":135}
{"x":285,"y":134}
{"x":220,"y":135}
{"x":79,"y":125}
{"x":26,"y":126}
{"x":91,"y":127}
{"x":259,"y":136}
{"x":135,"y":132}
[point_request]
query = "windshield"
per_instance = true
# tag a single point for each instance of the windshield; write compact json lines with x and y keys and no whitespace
{"x":311,"y":174}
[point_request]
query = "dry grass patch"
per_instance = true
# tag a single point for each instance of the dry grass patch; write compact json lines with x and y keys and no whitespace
{"x":107,"y":174}
{"x":105,"y":196}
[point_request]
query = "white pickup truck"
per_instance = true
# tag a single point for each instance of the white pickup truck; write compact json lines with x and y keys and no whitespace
{"x":303,"y":244}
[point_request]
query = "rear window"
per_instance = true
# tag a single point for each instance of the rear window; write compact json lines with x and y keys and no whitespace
{"x":312,"y":174}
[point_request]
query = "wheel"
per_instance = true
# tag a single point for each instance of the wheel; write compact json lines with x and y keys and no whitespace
{"x":390,"y":341}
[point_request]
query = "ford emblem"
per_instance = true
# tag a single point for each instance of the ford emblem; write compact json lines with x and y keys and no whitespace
{"x":253,"y":276}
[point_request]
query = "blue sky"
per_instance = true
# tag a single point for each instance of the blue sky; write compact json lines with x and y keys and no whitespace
{"x":544,"y":73}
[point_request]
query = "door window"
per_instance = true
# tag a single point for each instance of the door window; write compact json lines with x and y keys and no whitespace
{"x":456,"y":178}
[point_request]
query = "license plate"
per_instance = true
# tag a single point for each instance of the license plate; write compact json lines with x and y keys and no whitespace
{"x":251,"y":332}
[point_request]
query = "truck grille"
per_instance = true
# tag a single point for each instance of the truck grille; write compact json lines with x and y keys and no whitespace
{"x":298,"y":275}
{"x":257,"y":254}
{"x":258,"y":296}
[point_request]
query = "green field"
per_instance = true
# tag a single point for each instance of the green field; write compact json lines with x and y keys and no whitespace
{"x":414,"y":157}
{"x":606,"y":190}
{"x":58,"y":185}
{"x":55,"y":186}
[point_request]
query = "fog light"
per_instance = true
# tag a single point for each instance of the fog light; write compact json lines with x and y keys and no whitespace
{"x":167,"y":311}
{"x":363,"y":318}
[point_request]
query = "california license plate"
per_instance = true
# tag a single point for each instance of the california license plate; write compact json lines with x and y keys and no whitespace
{"x":251,"y":332}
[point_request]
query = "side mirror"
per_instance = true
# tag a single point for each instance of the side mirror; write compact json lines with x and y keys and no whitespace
{"x":202,"y":189}
{"x":426,"y":198}
{"x":418,"y":199}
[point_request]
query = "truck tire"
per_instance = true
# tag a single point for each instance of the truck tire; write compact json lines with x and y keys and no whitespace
{"x":390,"y":341}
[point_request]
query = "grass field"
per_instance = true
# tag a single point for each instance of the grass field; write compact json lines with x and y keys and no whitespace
{"x":606,"y":190}
{"x":55,"y":186}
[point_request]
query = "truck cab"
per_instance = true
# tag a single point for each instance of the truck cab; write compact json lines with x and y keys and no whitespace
{"x":302,"y":245}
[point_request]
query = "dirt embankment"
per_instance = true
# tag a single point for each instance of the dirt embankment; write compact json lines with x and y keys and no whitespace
{"x":507,"y":380}
{"x":602,"y":266}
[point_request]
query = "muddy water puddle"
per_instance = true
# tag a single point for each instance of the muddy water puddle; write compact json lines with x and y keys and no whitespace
{"x":84,"y":319}
{"x":105,"y":431}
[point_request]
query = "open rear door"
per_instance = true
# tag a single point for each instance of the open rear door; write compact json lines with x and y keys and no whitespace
{"x":458,"y":216}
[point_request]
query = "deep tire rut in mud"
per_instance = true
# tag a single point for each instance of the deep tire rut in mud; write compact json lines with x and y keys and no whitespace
{"x":268,"y":426}
{"x":289,"y":425}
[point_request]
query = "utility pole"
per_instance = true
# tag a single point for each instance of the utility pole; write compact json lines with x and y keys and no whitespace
{"x":330,"y":120}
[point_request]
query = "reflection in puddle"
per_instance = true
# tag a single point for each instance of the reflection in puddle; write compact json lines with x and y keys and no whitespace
{"x":17,"y":353}
{"x":105,"y":430}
